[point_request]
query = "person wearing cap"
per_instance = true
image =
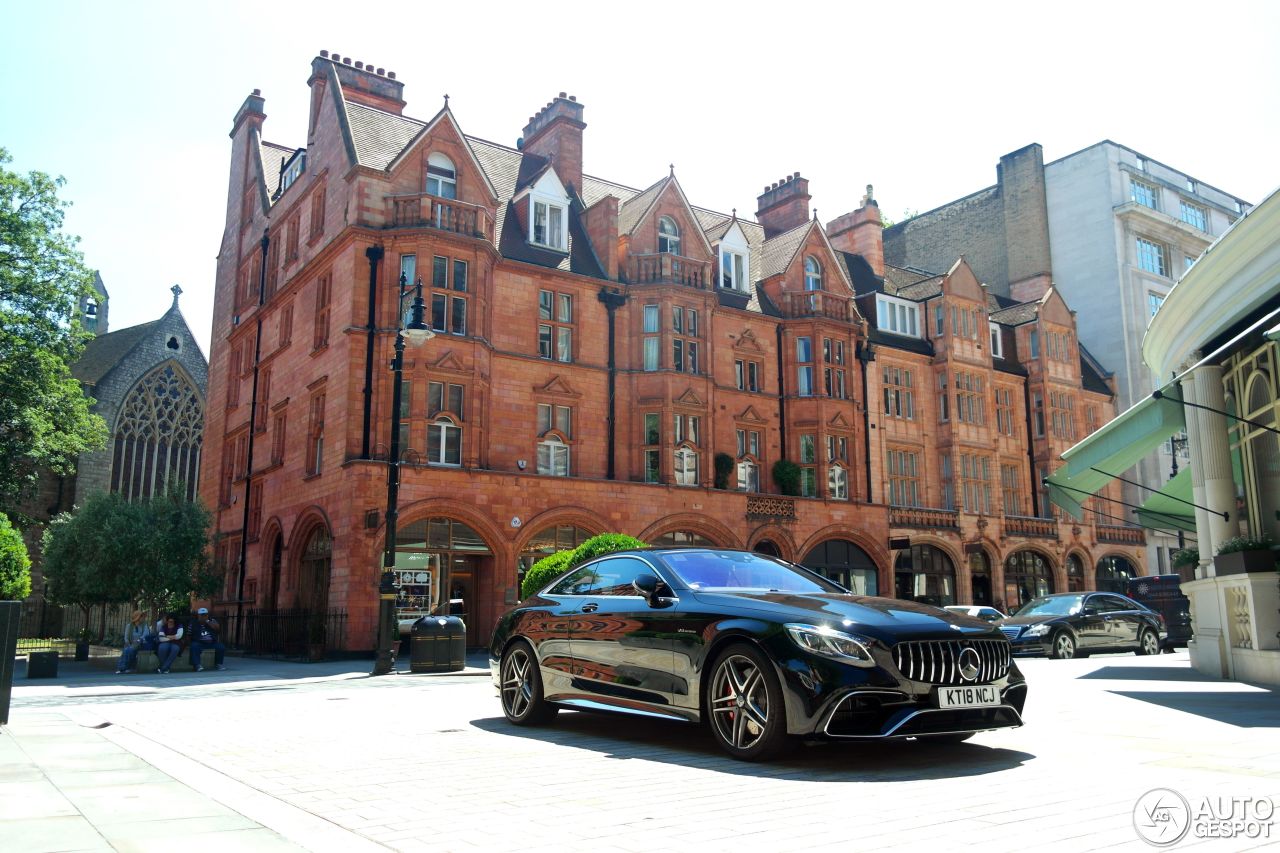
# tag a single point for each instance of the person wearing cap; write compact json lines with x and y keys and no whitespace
{"x":135,"y":634}
{"x":205,"y":633}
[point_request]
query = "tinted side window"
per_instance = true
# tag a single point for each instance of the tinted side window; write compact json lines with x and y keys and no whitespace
{"x":579,"y":582}
{"x":1115,"y":602}
{"x":615,"y":576}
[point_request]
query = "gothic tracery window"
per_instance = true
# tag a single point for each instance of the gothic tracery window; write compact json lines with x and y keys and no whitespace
{"x":158,"y":436}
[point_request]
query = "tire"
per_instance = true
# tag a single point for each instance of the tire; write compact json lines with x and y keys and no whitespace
{"x":1148,"y":643}
{"x":946,"y":739}
{"x":521,"y":687}
{"x":1064,"y":646}
{"x":744,"y":705}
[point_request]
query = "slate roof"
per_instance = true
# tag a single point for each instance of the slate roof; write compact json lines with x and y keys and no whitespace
{"x":631,"y":212}
{"x":898,"y":279}
{"x":273,"y":157}
{"x":1092,"y":374}
{"x":781,"y":250}
{"x":379,"y":136}
{"x":1016,"y":315}
{"x":104,"y":352}
{"x":902,"y":342}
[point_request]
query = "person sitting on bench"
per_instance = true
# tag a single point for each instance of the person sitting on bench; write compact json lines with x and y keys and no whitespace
{"x":205,"y":633}
{"x":170,"y":636}
{"x":136,"y":637}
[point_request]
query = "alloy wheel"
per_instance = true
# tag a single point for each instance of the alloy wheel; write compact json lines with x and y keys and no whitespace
{"x":1150,"y":644}
{"x":1064,"y":647}
{"x":517,"y":683}
{"x":739,"y":702}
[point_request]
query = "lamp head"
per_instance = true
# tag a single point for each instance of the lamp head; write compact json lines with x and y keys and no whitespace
{"x":418,"y":333}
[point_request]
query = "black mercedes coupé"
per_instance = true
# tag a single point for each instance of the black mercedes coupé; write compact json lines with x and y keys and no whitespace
{"x":760,"y":649}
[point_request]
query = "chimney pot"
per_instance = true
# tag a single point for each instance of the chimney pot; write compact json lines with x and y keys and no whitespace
{"x":561,"y":95}
{"x":391,"y":75}
{"x":359,"y":64}
{"x":324,"y":54}
{"x":573,"y":98}
{"x":346,"y":60}
{"x":382,"y":72}
{"x":336,"y":58}
{"x":796,"y":175}
{"x":257,"y":92}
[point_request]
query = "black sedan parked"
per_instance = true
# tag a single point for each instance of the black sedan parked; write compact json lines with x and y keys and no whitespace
{"x":1077,"y":624}
{"x":758,"y":648}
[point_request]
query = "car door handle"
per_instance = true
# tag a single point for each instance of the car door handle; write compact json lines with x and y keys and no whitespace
{"x":590,"y":607}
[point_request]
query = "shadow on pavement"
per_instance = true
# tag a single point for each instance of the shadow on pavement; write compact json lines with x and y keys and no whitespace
{"x":1150,"y":673}
{"x":687,"y":745}
{"x":1251,"y":709}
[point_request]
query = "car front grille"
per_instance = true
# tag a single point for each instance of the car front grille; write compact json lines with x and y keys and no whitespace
{"x":1011,"y":631}
{"x":938,"y":661}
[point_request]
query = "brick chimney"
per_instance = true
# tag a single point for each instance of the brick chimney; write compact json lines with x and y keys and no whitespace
{"x":251,"y":112}
{"x":860,"y":232}
{"x":556,"y":133}
{"x":361,"y":83}
{"x":784,"y":205}
{"x":601,"y":220}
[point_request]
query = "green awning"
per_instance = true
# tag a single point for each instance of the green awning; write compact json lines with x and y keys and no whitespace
{"x":1171,"y":506}
{"x":1114,"y":449}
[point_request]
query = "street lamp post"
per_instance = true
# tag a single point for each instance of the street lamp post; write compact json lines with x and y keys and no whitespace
{"x":416,"y":332}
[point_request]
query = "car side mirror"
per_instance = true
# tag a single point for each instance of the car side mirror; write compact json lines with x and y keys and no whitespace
{"x":647,"y":586}
{"x":1088,"y":611}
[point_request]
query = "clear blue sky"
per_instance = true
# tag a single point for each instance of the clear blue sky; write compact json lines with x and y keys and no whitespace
{"x":132,"y":102}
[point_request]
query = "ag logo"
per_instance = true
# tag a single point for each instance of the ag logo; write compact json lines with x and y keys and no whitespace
{"x":1161,"y":817}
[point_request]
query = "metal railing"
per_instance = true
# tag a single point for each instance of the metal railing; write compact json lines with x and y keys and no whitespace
{"x":290,"y":633}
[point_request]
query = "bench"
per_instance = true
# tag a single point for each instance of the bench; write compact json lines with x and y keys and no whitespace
{"x":148,"y":661}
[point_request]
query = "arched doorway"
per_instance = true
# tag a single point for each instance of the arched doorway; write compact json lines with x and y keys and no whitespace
{"x":926,"y":574}
{"x":766,"y":547}
{"x":441,"y":559}
{"x":846,"y":564}
{"x":1075,"y":573}
{"x":1113,"y":574}
{"x":678,"y":538}
{"x":547,"y":541}
{"x":275,"y":558}
{"x":980,"y":577}
{"x":314,"y":565}
{"x":1027,"y":574}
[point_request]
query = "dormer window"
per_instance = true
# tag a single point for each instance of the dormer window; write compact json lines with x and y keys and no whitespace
{"x":733,"y":270}
{"x":668,"y":236}
{"x":548,"y":225}
{"x":812,"y":273}
{"x":293,"y":170}
{"x":442,"y":178}
{"x":997,"y":341}
{"x":897,"y":316}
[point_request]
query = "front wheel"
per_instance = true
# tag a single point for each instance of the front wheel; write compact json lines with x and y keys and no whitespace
{"x":521,"y":686}
{"x":1148,"y":643}
{"x":745,"y":706}
{"x":1064,"y":646}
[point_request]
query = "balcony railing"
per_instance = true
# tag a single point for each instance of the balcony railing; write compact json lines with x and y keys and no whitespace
{"x":1116,"y":535}
{"x":664,"y":268}
{"x":817,"y":303}
{"x":768,"y":507}
{"x":1024,"y":525}
{"x":423,"y":210}
{"x":922,"y":517}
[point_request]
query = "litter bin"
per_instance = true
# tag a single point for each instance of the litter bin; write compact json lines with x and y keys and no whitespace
{"x":42,"y":665}
{"x":438,"y":644}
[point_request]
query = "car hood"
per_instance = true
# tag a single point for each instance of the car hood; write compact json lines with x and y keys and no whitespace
{"x":887,"y":619}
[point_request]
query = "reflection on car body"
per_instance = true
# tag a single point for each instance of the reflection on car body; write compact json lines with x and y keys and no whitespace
{"x":762,"y":649}
{"x":1077,"y":624}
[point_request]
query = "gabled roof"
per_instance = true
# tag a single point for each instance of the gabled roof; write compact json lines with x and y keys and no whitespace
{"x":1016,"y":315}
{"x":104,"y":352}
{"x":632,"y":211}
{"x":781,"y":250}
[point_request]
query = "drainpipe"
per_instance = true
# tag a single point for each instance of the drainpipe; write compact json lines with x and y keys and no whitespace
{"x":253,"y":420}
{"x":782,"y":400}
{"x":374,"y":254}
{"x":1031,"y":449}
{"x":613,"y":300}
{"x":866,"y":356}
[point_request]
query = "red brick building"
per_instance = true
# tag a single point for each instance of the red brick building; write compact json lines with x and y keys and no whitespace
{"x":597,"y":347}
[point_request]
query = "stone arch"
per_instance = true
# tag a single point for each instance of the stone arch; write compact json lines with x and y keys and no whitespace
{"x":778,"y":535}
{"x":1113,"y":570}
{"x":1084,"y":581}
{"x":718,"y":533}
{"x":271,"y":569}
{"x":980,"y":572}
{"x":936,"y":590}
{"x":158,"y":434}
{"x":577,"y":516}
{"x":847,"y":576}
{"x":311,"y":560}
{"x":1025,"y":578}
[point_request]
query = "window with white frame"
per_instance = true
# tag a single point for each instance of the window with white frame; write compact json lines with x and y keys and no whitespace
{"x":668,"y":236}
{"x":555,"y":425}
{"x":748,"y":460}
{"x":838,"y":483}
{"x":812,"y":273}
{"x":746,"y":374}
{"x":1194,"y":215}
{"x":897,"y":316}
{"x":1144,"y":194}
{"x":1151,"y":256}
{"x":651,"y":340}
{"x":442,"y":178}
{"x":733,"y":270}
{"x":548,"y":226}
{"x":997,"y":341}
{"x":555,"y":326}
{"x":444,"y":442}
{"x":1154,"y":301}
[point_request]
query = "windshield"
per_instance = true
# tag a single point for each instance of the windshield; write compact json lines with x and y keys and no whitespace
{"x":1061,"y":605}
{"x":739,"y":570}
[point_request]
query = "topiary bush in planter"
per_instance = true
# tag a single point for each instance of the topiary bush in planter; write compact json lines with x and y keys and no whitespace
{"x":550,"y":567}
{"x":541,"y":572}
{"x":786,"y":474}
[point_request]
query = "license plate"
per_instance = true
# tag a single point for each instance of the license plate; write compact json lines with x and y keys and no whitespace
{"x":979,"y":696}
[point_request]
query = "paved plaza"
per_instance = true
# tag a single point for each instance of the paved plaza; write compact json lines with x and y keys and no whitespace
{"x":290,"y":756}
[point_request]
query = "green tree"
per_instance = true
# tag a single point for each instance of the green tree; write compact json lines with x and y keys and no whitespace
{"x":15,"y":564}
{"x":45,"y":420}
{"x":111,"y":551}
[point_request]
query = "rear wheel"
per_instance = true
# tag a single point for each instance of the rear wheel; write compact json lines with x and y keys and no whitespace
{"x":521,"y":687}
{"x":1148,"y":643}
{"x":744,"y":704}
{"x":1064,"y":646}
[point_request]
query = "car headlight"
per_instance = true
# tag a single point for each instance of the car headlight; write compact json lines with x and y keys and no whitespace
{"x":831,"y":643}
{"x":1036,"y":631}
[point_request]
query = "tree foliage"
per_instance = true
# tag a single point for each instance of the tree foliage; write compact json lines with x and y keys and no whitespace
{"x":552,"y":566}
{"x":111,"y":551}
{"x":15,"y":564}
{"x":787,"y":475}
{"x":45,"y":420}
